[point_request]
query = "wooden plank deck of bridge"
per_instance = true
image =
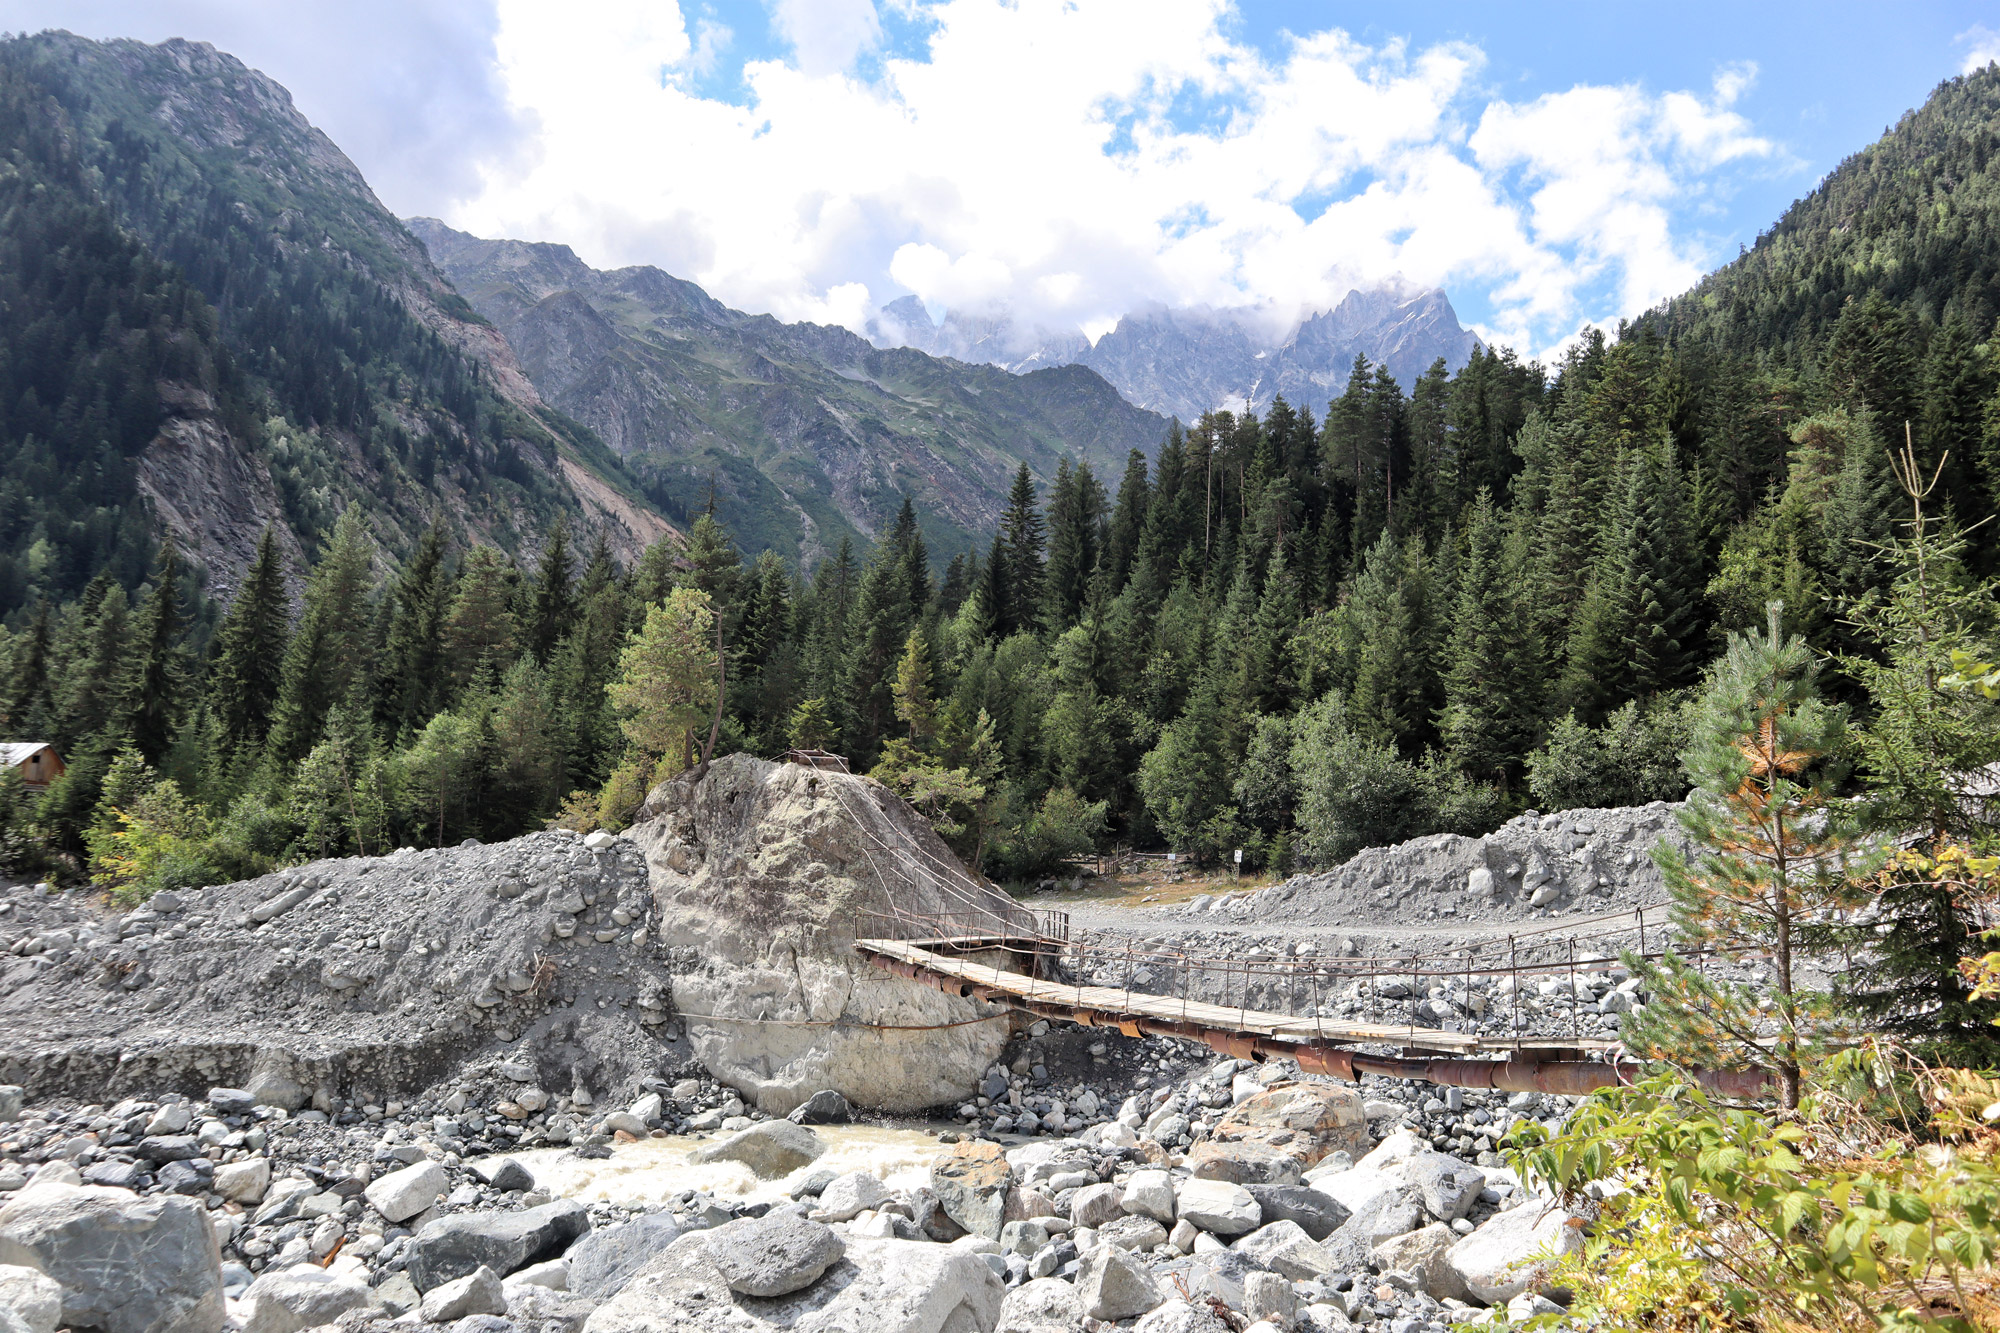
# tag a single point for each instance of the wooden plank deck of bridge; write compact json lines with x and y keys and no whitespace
{"x":1114,"y":1002}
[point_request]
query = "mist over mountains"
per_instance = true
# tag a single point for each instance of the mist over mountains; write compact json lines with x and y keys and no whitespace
{"x":1187,"y":360}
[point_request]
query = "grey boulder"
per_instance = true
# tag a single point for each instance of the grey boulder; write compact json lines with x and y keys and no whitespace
{"x":822,"y":1108}
{"x":478,"y":1292}
{"x":774,"y":1255}
{"x":34,"y":1298}
{"x":503,"y":1174}
{"x":1448,"y":1186}
{"x":1509,"y":1253}
{"x":289,"y":1299}
{"x":1320,"y":1214}
{"x":453,"y":1247}
{"x":162,"y":1250}
{"x":881,"y":1286}
{"x":772,"y":1149}
{"x":1045,"y":1305}
{"x":1112,"y":1284}
{"x":605,"y":1260}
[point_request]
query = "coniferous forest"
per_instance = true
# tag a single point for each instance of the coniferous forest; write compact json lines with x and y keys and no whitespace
{"x":1337,"y":625}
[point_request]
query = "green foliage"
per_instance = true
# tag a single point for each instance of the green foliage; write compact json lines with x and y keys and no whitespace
{"x":1634,"y":758}
{"x":1717,"y":1217}
{"x":1062,"y":828}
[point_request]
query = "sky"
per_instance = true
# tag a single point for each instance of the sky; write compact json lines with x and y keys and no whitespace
{"x":1549,"y":166}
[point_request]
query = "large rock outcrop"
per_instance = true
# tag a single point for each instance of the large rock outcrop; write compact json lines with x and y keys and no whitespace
{"x":767,"y":873}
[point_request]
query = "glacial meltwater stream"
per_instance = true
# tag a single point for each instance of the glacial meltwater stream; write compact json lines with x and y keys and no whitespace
{"x":655,"y":1170}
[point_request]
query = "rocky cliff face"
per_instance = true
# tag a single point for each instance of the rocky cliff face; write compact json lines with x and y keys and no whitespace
{"x":765,"y":874}
{"x":807,"y":433}
{"x":1189,"y":360}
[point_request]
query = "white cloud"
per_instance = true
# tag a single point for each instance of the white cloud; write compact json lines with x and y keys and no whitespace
{"x":1982,"y":47}
{"x":1075,"y":159}
{"x":826,"y":35}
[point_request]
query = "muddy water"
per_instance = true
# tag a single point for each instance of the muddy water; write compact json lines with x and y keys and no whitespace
{"x":655,"y":1170}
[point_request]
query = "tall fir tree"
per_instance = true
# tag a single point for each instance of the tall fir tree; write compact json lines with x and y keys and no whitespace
{"x":244,"y":675}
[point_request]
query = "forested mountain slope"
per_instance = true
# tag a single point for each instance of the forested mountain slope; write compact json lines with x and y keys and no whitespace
{"x":212,"y":324}
{"x":807,"y":433}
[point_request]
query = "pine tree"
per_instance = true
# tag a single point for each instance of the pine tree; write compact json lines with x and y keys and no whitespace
{"x":665,"y":687}
{"x":552,"y":605}
{"x":249,"y":651}
{"x":1489,"y":719}
{"x":95,"y":700}
{"x":30,"y":701}
{"x":1023,"y":536}
{"x":1775,"y":852}
{"x":332,"y":647}
{"x":1128,"y":520}
{"x":479,"y":631}
{"x":153,"y":690}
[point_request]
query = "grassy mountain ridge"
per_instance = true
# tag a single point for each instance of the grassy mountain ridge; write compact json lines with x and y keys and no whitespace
{"x":806,"y":432}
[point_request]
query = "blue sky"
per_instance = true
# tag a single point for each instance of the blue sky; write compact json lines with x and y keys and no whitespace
{"x":1549,"y":166}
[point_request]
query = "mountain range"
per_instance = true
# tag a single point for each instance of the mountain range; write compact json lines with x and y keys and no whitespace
{"x":802,"y":434}
{"x":1184,"y":361}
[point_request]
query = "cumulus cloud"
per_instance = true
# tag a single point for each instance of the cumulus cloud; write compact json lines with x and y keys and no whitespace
{"x":1982,"y":47}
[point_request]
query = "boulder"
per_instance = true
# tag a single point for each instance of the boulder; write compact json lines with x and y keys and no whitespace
{"x":971,"y":1182}
{"x":1243,"y":1164}
{"x":762,"y":871}
{"x":850,"y":1195}
{"x":774,"y":1255}
{"x":32,"y":1297}
{"x":126,"y":1264}
{"x":1218,"y":1207}
{"x":1358,"y":1186}
{"x":1268,"y":1300}
{"x":1218,"y":1273}
{"x":1177,"y":1316}
{"x":1319,"y":1213}
{"x":1500,"y":1260}
{"x":1304,"y":1120}
{"x":478,"y":1292}
{"x":1150,"y":1194}
{"x":825,"y":1107}
{"x":773,"y":1149}
{"x":881,"y":1286}
{"x":286,"y":1300}
{"x":245,"y":1181}
{"x":1448,"y":1186}
{"x":453,"y":1247}
{"x":605,"y":1260}
{"x":1423,"y":1252}
{"x":1284,"y":1247}
{"x":1112,"y":1284}
{"x":1023,"y":1238}
{"x":1095,"y":1205}
{"x":1133,"y":1232}
{"x":401,"y":1195}
{"x":1045,"y":1305}
{"x":503,"y":1174}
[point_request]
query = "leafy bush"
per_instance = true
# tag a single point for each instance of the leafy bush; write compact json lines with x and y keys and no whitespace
{"x":1063,"y":827}
{"x":1630,"y":760}
{"x":1709,"y":1216}
{"x":156,"y":842}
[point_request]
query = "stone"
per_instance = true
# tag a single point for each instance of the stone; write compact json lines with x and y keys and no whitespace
{"x":32,"y":1297}
{"x":774,"y":1255}
{"x":162,"y":1249}
{"x":398,"y":1294}
{"x":1133,"y":1232}
{"x":605,"y":1260}
{"x":1219,"y":1207}
{"x":624,"y":1122}
{"x":1319,"y":1213}
{"x":190,"y":1177}
{"x":1095,"y":1205}
{"x":1284,"y":1247}
{"x":503,"y":1174}
{"x":1479,"y":880}
{"x":1448,"y":1186}
{"x":1357,"y":1186}
{"x":1023,"y":1238}
{"x":1423,"y":1252}
{"x":1044,"y":1305}
{"x":1499,"y":1261}
{"x":1111,"y":1284}
{"x":231,"y":1101}
{"x":1304,"y":1120}
{"x":755,"y":842}
{"x":245,"y":1181}
{"x":401,"y":1195}
{"x":825,"y":1107}
{"x":599,"y":840}
{"x":1184,"y":1235}
{"x":1219,"y":1273}
{"x":478,"y":1292}
{"x":160,"y":1148}
{"x":1267,"y":1296}
{"x":12,"y":1098}
{"x":172,"y":1119}
{"x":552,"y":1274}
{"x":881,"y":1286}
{"x":289,"y":1299}
{"x":1243,"y":1164}
{"x":773,"y":1149}
{"x":848,"y":1195}
{"x":1383,"y":1216}
{"x":452,"y":1247}
{"x":1150,"y":1194}
{"x":1177,"y":1316}
{"x":971,"y":1183}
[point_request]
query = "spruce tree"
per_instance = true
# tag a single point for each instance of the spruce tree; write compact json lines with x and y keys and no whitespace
{"x":552,"y":604}
{"x":95,"y":701}
{"x":1023,"y":536}
{"x":244,"y":676}
{"x":333,"y":646}
{"x":1489,"y":719}
{"x":154,"y":687}
{"x":30,"y":700}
